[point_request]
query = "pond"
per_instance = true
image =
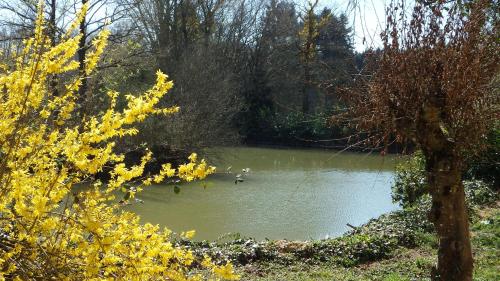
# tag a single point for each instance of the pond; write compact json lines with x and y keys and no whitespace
{"x":287,"y":194}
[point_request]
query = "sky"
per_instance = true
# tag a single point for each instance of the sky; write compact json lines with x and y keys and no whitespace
{"x":367,"y":19}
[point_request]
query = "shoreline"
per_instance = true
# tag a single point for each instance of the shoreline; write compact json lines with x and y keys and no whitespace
{"x":316,"y":145}
{"x":363,"y":244}
{"x":379,"y":239}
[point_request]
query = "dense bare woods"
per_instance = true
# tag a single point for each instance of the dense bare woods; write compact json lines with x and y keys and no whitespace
{"x":245,"y":70}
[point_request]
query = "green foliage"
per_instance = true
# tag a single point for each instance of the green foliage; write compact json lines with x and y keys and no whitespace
{"x":395,"y":277}
{"x":428,"y":239}
{"x":363,"y":247}
{"x":486,"y":240}
{"x":177,"y":189}
{"x":410,"y":183}
{"x":486,"y":166}
{"x":485,"y":228}
{"x":296,"y":129}
{"x":479,"y":193}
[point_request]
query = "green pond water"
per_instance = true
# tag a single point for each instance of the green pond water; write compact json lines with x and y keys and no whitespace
{"x":288,"y":194}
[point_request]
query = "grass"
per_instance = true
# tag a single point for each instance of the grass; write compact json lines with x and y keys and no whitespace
{"x":404,"y":265}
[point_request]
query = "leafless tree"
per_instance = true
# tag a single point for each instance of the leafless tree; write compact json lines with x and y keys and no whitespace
{"x":20,"y":16}
{"x":433,"y":87}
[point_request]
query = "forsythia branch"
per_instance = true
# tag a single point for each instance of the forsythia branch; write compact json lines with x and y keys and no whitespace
{"x":49,"y":230}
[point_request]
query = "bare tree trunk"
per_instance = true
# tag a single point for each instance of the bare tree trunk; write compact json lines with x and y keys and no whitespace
{"x":448,"y":212}
{"x":164,"y":34}
{"x":53,"y":37}
{"x":184,"y":24}
{"x":306,"y":90}
{"x":82,"y":51}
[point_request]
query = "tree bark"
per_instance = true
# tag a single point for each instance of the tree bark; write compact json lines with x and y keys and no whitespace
{"x":306,"y":91}
{"x":53,"y":37}
{"x":449,"y":215}
{"x":82,"y":52}
{"x":448,"y":212}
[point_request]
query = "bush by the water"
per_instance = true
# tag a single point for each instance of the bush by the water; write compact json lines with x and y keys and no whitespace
{"x":486,"y":166}
{"x":410,"y":183}
{"x":297,"y":129}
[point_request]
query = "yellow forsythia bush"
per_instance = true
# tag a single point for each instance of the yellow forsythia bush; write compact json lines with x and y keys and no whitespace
{"x":47,"y":231}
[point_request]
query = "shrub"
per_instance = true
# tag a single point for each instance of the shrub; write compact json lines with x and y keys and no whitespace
{"x":295,"y":128}
{"x":486,"y":166}
{"x":479,"y":193}
{"x":410,"y":183}
{"x":49,"y":230}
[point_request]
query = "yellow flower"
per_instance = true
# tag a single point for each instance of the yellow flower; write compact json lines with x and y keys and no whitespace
{"x":52,"y":220}
{"x":188,"y":234}
{"x":192,"y":157}
{"x":226,"y":272}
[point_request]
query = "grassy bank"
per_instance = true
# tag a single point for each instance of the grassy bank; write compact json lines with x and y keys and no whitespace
{"x":403,"y":264}
{"x":400,"y":245}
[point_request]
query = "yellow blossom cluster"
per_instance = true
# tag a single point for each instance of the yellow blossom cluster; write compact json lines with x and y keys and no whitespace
{"x":225,"y":271}
{"x":50,"y":227}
